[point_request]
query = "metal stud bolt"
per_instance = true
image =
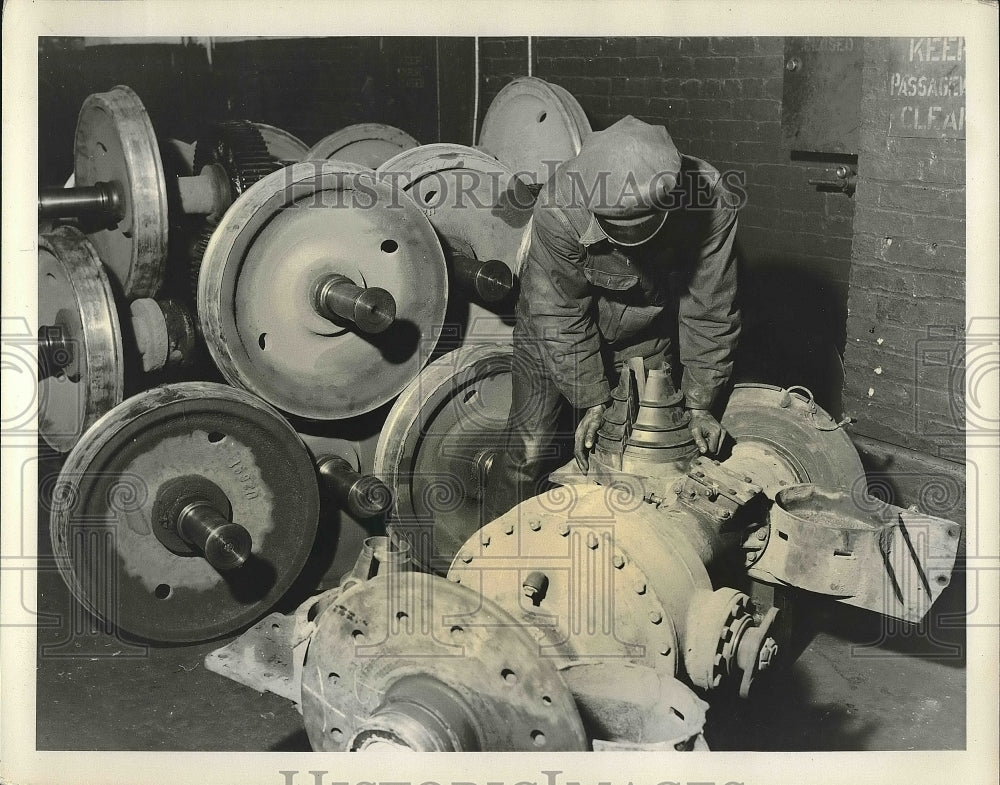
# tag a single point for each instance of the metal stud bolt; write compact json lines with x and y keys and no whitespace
{"x":618,"y":561}
{"x":655,"y":616}
{"x":535,"y":525}
{"x":592,"y":541}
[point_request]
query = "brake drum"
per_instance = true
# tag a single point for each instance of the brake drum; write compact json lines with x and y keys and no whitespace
{"x":437,"y":444}
{"x":303,"y":232}
{"x":365,"y":144}
{"x":115,"y":142}
{"x":480,"y":210}
{"x":74,"y":295}
{"x":532,"y":126}
{"x":783,"y":438}
{"x":117,"y":497}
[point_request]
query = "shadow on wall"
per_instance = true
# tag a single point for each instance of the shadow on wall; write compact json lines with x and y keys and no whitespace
{"x":793,"y":327}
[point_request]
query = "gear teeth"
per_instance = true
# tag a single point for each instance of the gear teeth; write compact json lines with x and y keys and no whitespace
{"x":239,"y":148}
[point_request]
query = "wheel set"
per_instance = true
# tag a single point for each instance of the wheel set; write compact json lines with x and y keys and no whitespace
{"x":315,"y":281}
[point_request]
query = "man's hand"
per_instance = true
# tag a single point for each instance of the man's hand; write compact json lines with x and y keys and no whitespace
{"x":586,"y":433}
{"x":708,"y":433}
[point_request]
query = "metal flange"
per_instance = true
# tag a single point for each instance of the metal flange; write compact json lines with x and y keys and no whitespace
{"x":532,"y":126}
{"x":125,"y":534}
{"x":85,"y":377}
{"x":409,"y":661}
{"x":315,"y":347}
{"x":437,"y":444}
{"x":115,"y":143}
{"x":598,"y":574}
{"x":81,"y":342}
{"x":283,"y":146}
{"x":783,"y":438}
{"x":365,"y":144}
{"x":480,"y":211}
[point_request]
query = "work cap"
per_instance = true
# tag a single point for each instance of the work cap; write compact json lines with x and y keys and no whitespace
{"x":624,"y":174}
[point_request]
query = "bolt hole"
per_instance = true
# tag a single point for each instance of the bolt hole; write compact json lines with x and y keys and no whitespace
{"x":262,"y":340}
{"x":674,"y":711}
{"x":389,"y":246}
{"x":275,"y":626}
{"x":541,"y":116}
{"x":456,"y":630}
{"x":101,"y":147}
{"x":216,"y":436}
{"x":163,"y":591}
{"x":357,"y":635}
{"x":50,"y":276}
{"x":508,"y":676}
{"x":942,"y":580}
{"x":538,"y":738}
{"x":333,"y":676}
{"x":429,"y":196}
{"x":336,"y":734}
{"x":469,"y":395}
{"x":402,"y":615}
{"x":546,"y":700}
{"x":782,"y":535}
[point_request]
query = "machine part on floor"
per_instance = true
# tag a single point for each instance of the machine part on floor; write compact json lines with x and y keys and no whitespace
{"x":532,"y":126}
{"x":364,"y":144}
{"x":274,"y":341}
{"x":117,"y":162}
{"x":621,"y":569}
{"x":862,"y":552}
{"x":626,"y":582}
{"x":480,"y":210}
{"x":284,"y":147}
{"x":268,"y":657}
{"x":630,"y":707}
{"x":81,"y":359}
{"x":130,"y":546}
{"x":437,"y":444}
{"x":410,"y":661}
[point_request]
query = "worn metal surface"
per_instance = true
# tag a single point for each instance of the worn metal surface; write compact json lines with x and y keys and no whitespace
{"x":74,"y":292}
{"x":429,"y":449}
{"x":296,"y":226}
{"x":780,"y":437}
{"x":365,"y":144}
{"x":821,"y":98}
{"x":858,"y":550}
{"x":629,"y":707}
{"x":283,"y":146}
{"x":105,"y":500}
{"x":532,"y":126}
{"x":480,"y":209}
{"x":409,"y":660}
{"x":115,"y":142}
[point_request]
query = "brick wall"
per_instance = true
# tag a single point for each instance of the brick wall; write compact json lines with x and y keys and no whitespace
{"x":904,"y":355}
{"x":720,"y":98}
{"x":310,"y":87}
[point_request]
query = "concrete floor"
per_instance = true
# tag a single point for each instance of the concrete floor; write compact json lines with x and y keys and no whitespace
{"x":853,"y":686}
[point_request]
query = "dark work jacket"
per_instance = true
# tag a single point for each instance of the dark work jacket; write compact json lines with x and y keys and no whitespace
{"x":583,"y":297}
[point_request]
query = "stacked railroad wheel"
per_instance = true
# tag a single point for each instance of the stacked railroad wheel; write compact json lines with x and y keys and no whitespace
{"x":225,"y":325}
